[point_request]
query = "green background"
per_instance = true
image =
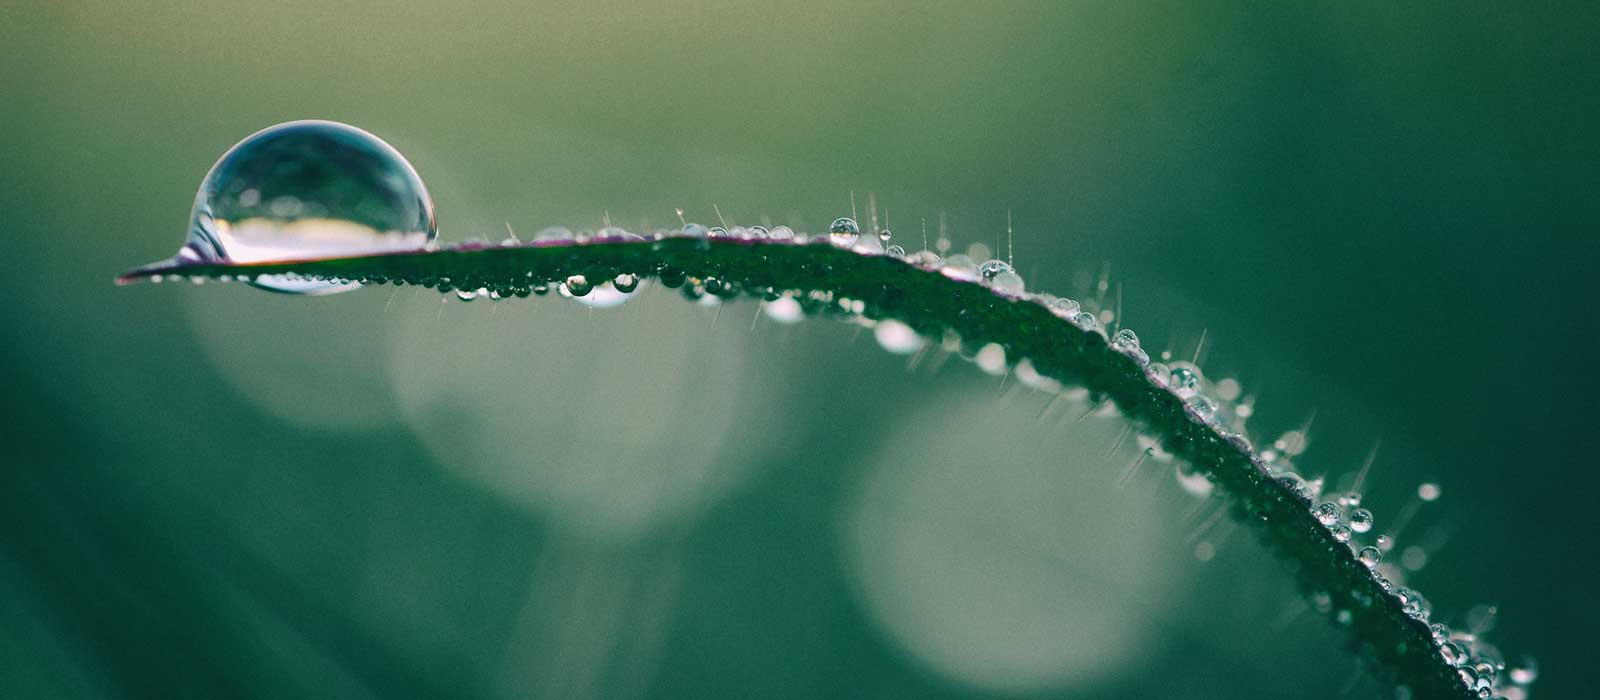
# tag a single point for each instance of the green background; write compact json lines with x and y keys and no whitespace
{"x":1380,"y":214}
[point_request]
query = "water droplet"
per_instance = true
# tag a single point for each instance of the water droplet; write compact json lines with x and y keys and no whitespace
{"x":1327,"y":514}
{"x":1085,"y":321}
{"x":897,"y":337}
{"x":694,"y":231}
{"x":926,"y":259}
{"x":468,"y":295}
{"x":1369,"y":557}
{"x":1184,"y":379}
{"x":717,"y":232}
{"x":885,"y":235}
{"x":992,"y":268}
{"x":577,"y":285}
{"x":781,"y":233}
{"x":1340,"y":533}
{"x":1350,"y":499}
{"x":1428,"y":492}
{"x":895,"y":250}
{"x":626,"y":283}
{"x":1361,"y":519}
{"x":844,"y":231}
{"x":991,"y":359}
{"x":785,"y":310}
{"x":1064,"y":308}
{"x":1007,"y":283}
{"x":308,"y":189}
{"x":758,"y":232}
{"x":1125,"y":340}
{"x":1385,"y":542}
{"x":1205,"y":409}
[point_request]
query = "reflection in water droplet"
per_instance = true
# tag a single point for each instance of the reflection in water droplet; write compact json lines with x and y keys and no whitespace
{"x":844,"y":231}
{"x":308,"y":189}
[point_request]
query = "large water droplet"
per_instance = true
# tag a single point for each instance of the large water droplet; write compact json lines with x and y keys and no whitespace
{"x":308,"y":189}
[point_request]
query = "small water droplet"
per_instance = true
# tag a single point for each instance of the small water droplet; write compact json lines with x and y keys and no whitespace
{"x":1361,"y":519}
{"x":626,"y":283}
{"x":897,"y":337}
{"x":785,"y":310}
{"x":1340,"y":533}
{"x":991,"y":359}
{"x":758,"y":232}
{"x":1369,"y":557}
{"x":1125,"y":340}
{"x":781,"y":233}
{"x":694,"y":231}
{"x":885,"y":235}
{"x":1385,"y":542}
{"x":992,"y":268}
{"x":895,"y":250}
{"x":577,"y":285}
{"x":1184,"y":379}
{"x":308,"y":189}
{"x":844,"y":231}
{"x":1064,"y":308}
{"x":1428,"y":492}
{"x":1327,"y":513}
{"x":1205,"y":409}
{"x":1007,"y":283}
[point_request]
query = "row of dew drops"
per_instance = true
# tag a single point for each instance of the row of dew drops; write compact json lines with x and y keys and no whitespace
{"x":243,"y":190}
{"x":1479,"y":665}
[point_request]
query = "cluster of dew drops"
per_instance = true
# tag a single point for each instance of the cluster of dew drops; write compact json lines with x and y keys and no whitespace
{"x":237,"y":187}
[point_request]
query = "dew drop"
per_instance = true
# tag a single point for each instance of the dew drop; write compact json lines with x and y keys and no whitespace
{"x":885,"y":235}
{"x":993,"y":268}
{"x":1064,"y":308}
{"x":694,"y":231}
{"x":781,"y":233}
{"x":1327,"y":514}
{"x":577,"y":285}
{"x":1369,"y":557}
{"x":785,"y":310}
{"x":895,"y":251}
{"x":1007,"y":283}
{"x":1340,"y":533}
{"x":1205,"y":409}
{"x":626,"y":283}
{"x":897,"y":337}
{"x":307,"y":189}
{"x":1361,"y":519}
{"x":1184,"y":379}
{"x":1385,"y":542}
{"x":844,"y":231}
{"x":1125,"y":340}
{"x":758,"y":232}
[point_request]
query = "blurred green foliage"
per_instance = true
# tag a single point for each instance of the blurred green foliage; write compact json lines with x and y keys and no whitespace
{"x":1383,"y":214}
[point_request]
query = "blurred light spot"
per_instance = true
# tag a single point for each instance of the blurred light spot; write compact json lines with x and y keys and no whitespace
{"x":996,"y":553}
